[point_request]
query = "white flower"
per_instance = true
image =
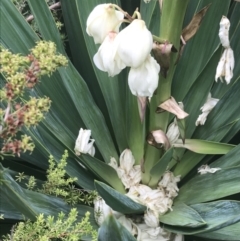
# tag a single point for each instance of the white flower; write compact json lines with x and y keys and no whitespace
{"x":126,"y":161}
{"x":206,"y":169}
{"x":84,"y":144}
{"x":105,"y":58}
{"x":226,"y":63}
{"x":134,"y":43}
{"x":101,"y":210}
{"x":173,"y":132}
{"x":143,"y":80}
{"x":102,"y":20}
{"x":206,"y":108}
{"x":151,"y":219}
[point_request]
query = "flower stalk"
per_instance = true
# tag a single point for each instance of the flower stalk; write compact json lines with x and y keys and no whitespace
{"x":173,"y":13}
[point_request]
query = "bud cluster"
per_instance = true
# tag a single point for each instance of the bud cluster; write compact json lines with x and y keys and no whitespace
{"x":22,"y":73}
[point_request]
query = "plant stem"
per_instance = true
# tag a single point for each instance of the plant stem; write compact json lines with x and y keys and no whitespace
{"x":173,"y":13}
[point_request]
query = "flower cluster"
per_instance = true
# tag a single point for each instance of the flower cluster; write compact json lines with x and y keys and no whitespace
{"x":22,"y":73}
{"x":129,"y":174}
{"x":84,"y":144}
{"x":158,"y":201}
{"x":130,"y":47}
{"x":226,"y":63}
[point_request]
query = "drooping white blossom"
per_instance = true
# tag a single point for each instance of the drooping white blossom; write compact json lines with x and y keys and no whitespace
{"x":84,"y":144}
{"x":134,"y":43}
{"x":102,"y":20}
{"x":207,"y":169}
{"x":143,"y":80}
{"x":206,"y":108}
{"x":106,"y":59}
{"x":226,"y":63}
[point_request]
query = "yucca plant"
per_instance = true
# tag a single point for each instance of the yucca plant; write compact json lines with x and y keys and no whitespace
{"x":205,"y":206}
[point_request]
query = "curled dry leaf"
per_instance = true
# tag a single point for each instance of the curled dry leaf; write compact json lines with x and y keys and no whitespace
{"x":158,"y":139}
{"x":190,"y":30}
{"x":162,"y":54}
{"x":172,"y":106}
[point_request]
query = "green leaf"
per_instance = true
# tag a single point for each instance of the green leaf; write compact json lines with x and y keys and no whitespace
{"x":135,"y":128}
{"x":217,"y":215}
{"x":150,"y":13}
{"x":231,"y":159}
{"x":117,"y":201}
{"x":186,"y":164}
{"x":160,"y":167}
{"x":210,"y":186}
{"x":204,"y":147}
{"x":103,"y":171}
{"x":183,"y":215}
{"x":230,"y":233}
{"x":111,"y":230}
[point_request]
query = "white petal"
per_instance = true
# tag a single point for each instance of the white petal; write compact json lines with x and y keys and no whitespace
{"x":102,"y":20}
{"x":151,"y":219}
{"x":126,"y":161}
{"x":224,"y":31}
{"x":143,"y":80}
{"x":206,"y":169}
{"x":229,"y":65}
{"x":105,"y":59}
{"x":206,"y":109}
{"x":220,"y":71}
{"x":134,"y":43}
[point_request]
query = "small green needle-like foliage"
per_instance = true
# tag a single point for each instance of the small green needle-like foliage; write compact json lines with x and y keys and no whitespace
{"x":58,"y":185}
{"x":47,"y":228}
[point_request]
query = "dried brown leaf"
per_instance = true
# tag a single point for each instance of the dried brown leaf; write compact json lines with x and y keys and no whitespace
{"x":190,"y":30}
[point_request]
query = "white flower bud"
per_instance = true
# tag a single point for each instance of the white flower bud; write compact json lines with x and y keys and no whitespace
{"x":101,"y":210}
{"x":83,"y":145}
{"x":151,"y":219}
{"x":105,"y":58}
{"x":134,"y":43}
{"x":206,"y":108}
{"x":102,"y":20}
{"x":126,"y":161}
{"x":143,"y":80}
